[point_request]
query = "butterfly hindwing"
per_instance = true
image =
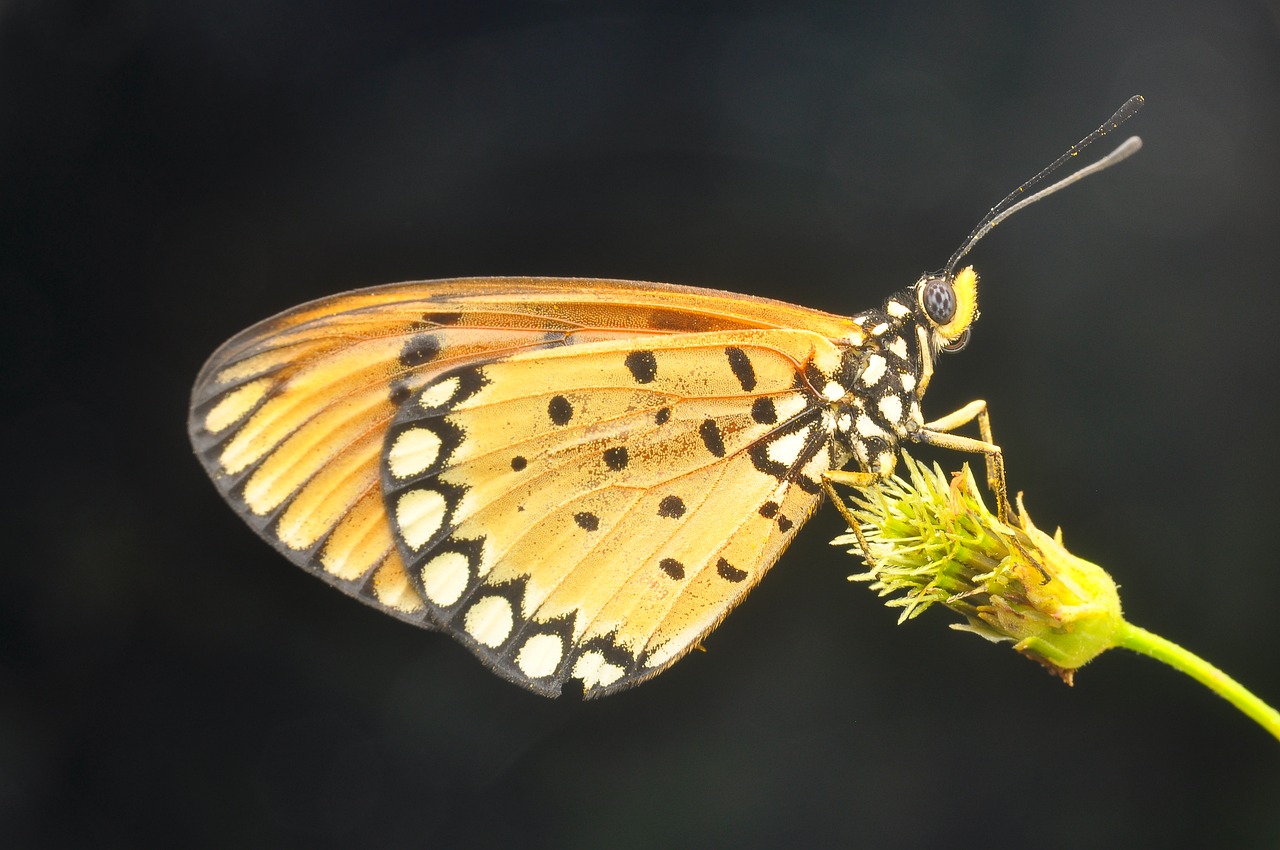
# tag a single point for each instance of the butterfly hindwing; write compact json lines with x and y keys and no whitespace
{"x":592,"y":511}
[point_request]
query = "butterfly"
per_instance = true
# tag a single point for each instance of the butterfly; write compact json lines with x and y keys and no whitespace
{"x":577,"y":479}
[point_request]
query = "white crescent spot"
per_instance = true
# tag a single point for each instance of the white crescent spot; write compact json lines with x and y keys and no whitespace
{"x":438,"y":394}
{"x":891,"y":408}
{"x":540,"y":655}
{"x":445,"y":577}
{"x":594,"y":671}
{"x":874,"y":370}
{"x":489,"y":621}
{"x":420,"y":513}
{"x":412,"y":452}
{"x":867,"y":427}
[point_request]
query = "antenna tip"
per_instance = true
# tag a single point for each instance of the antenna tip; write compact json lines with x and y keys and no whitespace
{"x":1124,"y":113}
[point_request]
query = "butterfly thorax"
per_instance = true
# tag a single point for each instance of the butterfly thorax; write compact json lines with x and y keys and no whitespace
{"x":876,"y":395}
{"x":886,"y":367}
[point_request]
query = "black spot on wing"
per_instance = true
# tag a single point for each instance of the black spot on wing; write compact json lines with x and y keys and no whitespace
{"x":672,"y":567}
{"x":420,"y":350}
{"x":711,"y":437}
{"x":671,"y":507}
{"x":814,"y":377}
{"x":662,"y":416}
{"x":587,"y":520}
{"x":729,"y":572}
{"x":616,"y":458}
{"x":560,"y":410}
{"x":809,"y":486}
{"x":769,"y":510}
{"x":764,"y":411}
{"x":400,"y":393}
{"x":759,"y":454}
{"x":519,"y":462}
{"x":784,"y":523}
{"x":742,"y":368}
{"x":642,"y":365}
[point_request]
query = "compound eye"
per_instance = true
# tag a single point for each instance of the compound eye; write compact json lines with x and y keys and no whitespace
{"x":958,"y":343}
{"x":939,"y":300}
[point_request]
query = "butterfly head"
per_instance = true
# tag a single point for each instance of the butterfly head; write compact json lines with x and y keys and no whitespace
{"x":946,"y":306}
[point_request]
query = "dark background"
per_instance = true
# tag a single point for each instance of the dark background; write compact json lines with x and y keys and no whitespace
{"x":172,"y":172}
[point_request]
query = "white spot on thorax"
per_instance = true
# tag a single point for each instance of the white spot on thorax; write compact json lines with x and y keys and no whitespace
{"x":867,"y":427}
{"x":489,"y":621}
{"x":833,"y":391}
{"x":874,"y":370}
{"x":879,"y":329}
{"x":897,"y":309}
{"x":908,"y":381}
{"x":420,"y":513}
{"x":445,"y":577}
{"x":898,"y":346}
{"x":891,"y":408}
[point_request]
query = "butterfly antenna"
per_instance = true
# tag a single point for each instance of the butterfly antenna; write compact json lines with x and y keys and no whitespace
{"x":1018,"y":198}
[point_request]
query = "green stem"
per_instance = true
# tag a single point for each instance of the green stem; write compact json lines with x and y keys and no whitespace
{"x":1141,"y":640}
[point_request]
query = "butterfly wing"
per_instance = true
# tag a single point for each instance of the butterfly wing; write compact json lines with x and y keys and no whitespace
{"x":656,"y":428}
{"x":591,"y":512}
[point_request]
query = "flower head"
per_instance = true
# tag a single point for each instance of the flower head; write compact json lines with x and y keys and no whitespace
{"x":930,"y":539}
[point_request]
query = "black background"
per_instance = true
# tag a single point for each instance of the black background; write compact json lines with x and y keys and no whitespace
{"x":172,"y":172}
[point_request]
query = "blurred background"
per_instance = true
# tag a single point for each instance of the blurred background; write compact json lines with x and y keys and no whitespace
{"x":173,"y":172}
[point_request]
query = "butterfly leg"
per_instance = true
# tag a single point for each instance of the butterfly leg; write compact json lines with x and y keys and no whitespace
{"x":851,"y":479}
{"x":938,"y":433}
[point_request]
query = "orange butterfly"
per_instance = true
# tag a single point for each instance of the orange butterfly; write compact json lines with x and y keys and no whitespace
{"x":577,"y":479}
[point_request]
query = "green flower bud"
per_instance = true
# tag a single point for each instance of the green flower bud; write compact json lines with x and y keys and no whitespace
{"x":932,"y":540}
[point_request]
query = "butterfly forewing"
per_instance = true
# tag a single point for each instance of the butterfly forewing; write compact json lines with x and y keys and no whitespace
{"x":583,"y":477}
